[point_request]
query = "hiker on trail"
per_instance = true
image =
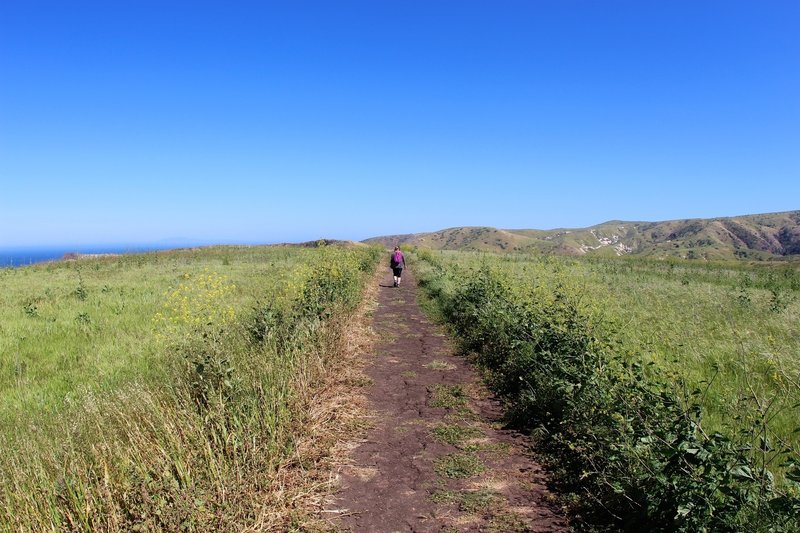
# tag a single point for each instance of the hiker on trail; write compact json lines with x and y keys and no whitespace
{"x":397,"y":263}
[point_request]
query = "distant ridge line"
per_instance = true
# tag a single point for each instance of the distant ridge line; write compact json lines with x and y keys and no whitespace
{"x":768,"y":236}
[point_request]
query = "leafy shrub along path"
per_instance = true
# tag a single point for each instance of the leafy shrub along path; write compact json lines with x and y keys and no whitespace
{"x":435,"y":458}
{"x":625,"y":440}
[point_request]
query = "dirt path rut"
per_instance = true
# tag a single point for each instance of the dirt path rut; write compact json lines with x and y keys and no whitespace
{"x":436,"y":457}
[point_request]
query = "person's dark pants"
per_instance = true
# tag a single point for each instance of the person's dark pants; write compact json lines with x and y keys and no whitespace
{"x":397,"y":273}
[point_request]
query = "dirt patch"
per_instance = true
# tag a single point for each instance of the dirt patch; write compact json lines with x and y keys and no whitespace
{"x":437,"y":458}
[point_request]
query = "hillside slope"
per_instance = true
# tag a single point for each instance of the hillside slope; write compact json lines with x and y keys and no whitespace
{"x":765,"y":236}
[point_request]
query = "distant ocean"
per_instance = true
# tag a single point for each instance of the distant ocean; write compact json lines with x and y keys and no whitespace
{"x":14,"y":257}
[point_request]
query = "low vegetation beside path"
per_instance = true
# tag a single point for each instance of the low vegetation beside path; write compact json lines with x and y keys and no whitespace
{"x":604,"y":362}
{"x":164,"y":391}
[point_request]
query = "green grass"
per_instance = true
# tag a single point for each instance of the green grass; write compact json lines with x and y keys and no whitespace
{"x":468,"y":501}
{"x":160,"y":391}
{"x":485,"y":502}
{"x":734,"y":322}
{"x":438,"y":364}
{"x":60,"y":345}
{"x":499,"y":449}
{"x":505,"y":522}
{"x":448,"y":396}
{"x":458,"y":465}
{"x":668,"y":390}
{"x":705,"y":324}
{"x":454,"y":434}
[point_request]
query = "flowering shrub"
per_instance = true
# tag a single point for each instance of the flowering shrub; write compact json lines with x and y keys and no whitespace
{"x":193,"y":322}
{"x":313,"y":293}
{"x":199,"y":303}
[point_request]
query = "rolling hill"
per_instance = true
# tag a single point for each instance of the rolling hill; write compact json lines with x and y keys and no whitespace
{"x":755,"y":237}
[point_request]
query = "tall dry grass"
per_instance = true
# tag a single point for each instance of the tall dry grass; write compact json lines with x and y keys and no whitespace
{"x":205,"y":447}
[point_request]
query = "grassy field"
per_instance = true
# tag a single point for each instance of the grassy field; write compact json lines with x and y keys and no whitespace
{"x":631,"y":347}
{"x":72,"y":327}
{"x":158,"y":390}
{"x":733,"y":325}
{"x":737,"y":323}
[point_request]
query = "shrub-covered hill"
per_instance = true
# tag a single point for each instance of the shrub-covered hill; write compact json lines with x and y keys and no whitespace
{"x":759,"y":237}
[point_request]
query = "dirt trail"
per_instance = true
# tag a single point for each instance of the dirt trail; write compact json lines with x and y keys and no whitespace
{"x":436,"y":458}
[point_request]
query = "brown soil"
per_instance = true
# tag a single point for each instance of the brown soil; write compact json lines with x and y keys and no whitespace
{"x":437,"y":457}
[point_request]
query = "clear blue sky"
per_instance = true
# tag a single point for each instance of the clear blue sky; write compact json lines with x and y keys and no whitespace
{"x":137,"y":121}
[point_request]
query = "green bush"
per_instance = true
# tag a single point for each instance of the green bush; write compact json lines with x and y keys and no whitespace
{"x":625,"y":441}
